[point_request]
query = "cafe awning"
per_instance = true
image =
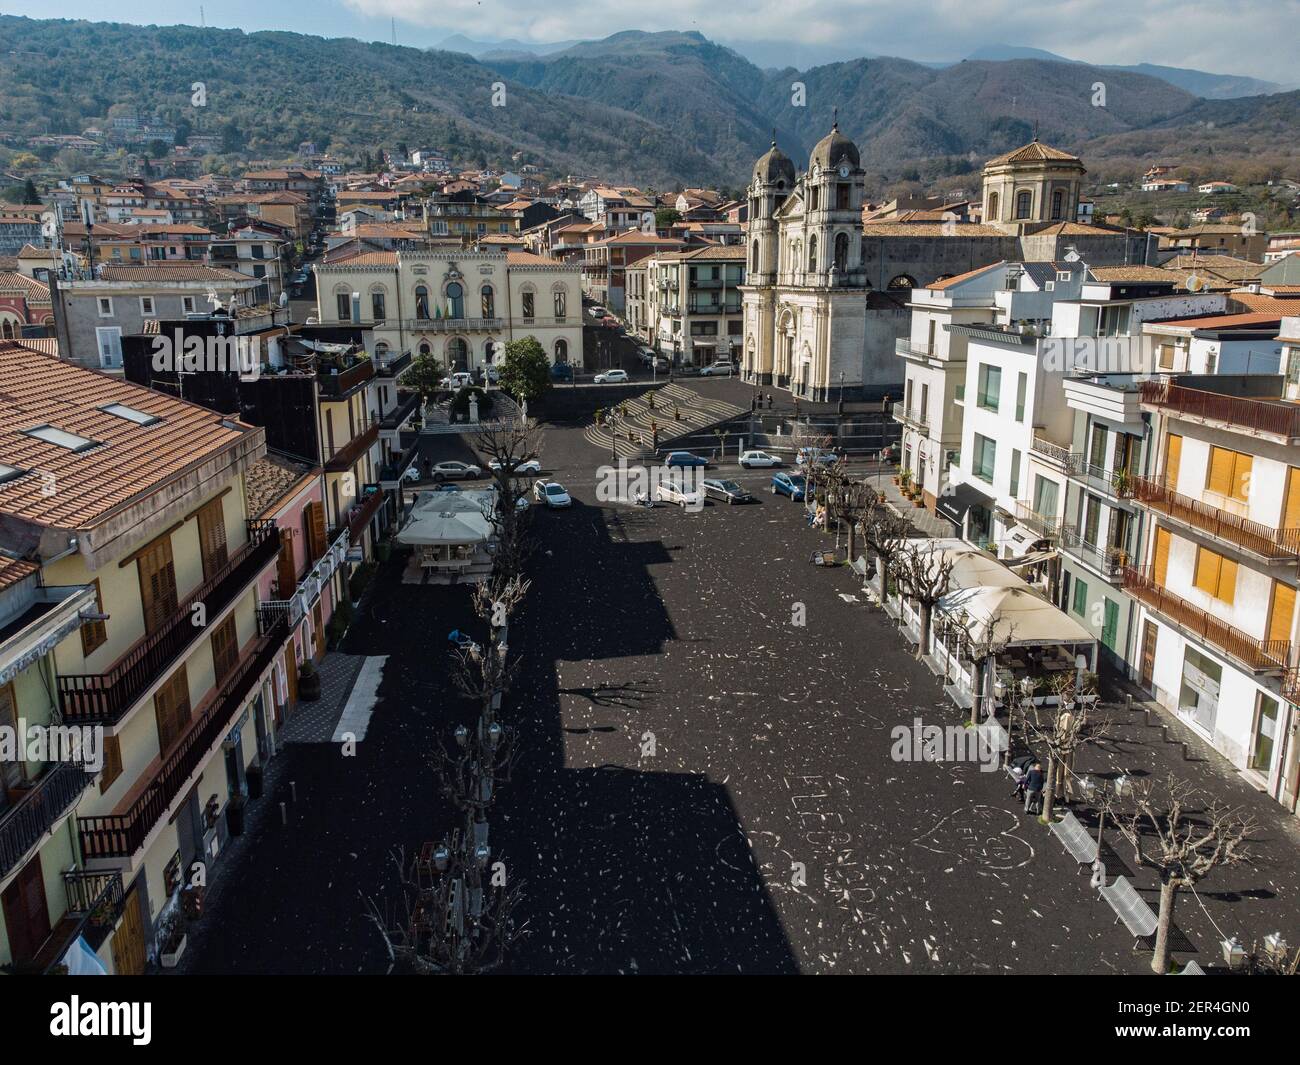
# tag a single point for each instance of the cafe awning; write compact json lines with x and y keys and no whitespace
{"x":954,"y":503}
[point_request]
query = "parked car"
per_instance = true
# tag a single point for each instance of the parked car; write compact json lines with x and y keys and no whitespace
{"x":789,"y":484}
{"x":456,"y":471}
{"x":561,"y":371}
{"x":675,"y":491}
{"x":611,"y":377}
{"x":728,"y":491}
{"x":457,"y":381}
{"x":412,"y":473}
{"x":531,"y":466}
{"x":597,"y":312}
{"x":551,"y":494}
{"x":752,"y":460}
{"x":721,"y":368}
{"x":610,"y":322}
{"x":808,"y":455}
{"x":661,"y":363}
{"x":685,"y":458}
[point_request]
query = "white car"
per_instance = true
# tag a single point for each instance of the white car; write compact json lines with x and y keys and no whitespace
{"x":456,"y":471}
{"x":611,"y":377}
{"x":597,"y":312}
{"x":718,"y":369}
{"x":457,"y":381}
{"x":752,"y":460}
{"x":674,"y":491}
{"x":551,"y":494}
{"x":531,"y":466}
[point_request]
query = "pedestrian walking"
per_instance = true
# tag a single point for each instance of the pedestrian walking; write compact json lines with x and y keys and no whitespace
{"x":769,"y":401}
{"x":1035,"y":779}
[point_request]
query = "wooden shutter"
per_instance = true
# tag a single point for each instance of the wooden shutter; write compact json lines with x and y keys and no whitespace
{"x":11,"y":771}
{"x":27,"y":915}
{"x":286,"y":575}
{"x":1160,"y":557}
{"x":212,"y":538}
{"x":1291,"y":508}
{"x":1242,"y":467}
{"x":1218,"y":477}
{"x":94,"y":634}
{"x":316,"y":528}
{"x":225,"y":648}
{"x":171,"y":704}
{"x":157,"y":583}
{"x":1281,"y":612}
{"x":1227,"y":590}
{"x":1173,"y":458}
{"x":112,"y":763}
{"x":1216,"y":575}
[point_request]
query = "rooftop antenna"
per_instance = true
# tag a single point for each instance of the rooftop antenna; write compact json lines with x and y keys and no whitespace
{"x":394,"y":21}
{"x":202,"y":21}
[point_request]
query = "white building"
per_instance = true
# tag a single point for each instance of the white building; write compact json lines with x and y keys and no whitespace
{"x":460,"y":306}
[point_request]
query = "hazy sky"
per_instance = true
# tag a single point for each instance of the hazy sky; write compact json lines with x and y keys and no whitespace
{"x":1253,"y":37}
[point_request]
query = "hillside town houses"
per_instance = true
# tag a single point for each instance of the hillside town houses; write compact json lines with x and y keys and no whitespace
{"x":1104,"y":416}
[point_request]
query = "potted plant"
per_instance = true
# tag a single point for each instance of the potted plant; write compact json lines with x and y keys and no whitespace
{"x":308,"y":682}
{"x":171,"y":937}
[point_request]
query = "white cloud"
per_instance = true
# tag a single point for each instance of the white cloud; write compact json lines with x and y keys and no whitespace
{"x":1254,"y":37}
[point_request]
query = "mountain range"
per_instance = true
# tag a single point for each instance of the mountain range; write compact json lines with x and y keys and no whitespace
{"x":649,"y":108}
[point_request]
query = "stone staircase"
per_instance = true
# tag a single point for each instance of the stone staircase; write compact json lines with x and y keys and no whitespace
{"x":697,"y":414}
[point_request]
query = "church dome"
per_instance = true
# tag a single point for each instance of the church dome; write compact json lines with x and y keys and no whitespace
{"x":833,"y":149}
{"x":774,"y":166}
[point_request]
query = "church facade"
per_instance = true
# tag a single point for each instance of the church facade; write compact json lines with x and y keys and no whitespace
{"x":826,"y":296}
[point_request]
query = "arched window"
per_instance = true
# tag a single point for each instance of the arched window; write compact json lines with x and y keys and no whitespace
{"x":812,"y":253}
{"x":381,"y":350}
{"x":993,"y":207}
{"x":1058,"y":204}
{"x":457,"y":353}
{"x":753,"y":265}
{"x":560,"y":302}
{"x":421,"y":302}
{"x":6,"y":330}
{"x":456,"y":300}
{"x":902,"y":281}
{"x":1024,"y":203}
{"x":841,"y":252}
{"x":379,"y":303}
{"x":488,"y":302}
{"x":424,"y":348}
{"x":561,"y":351}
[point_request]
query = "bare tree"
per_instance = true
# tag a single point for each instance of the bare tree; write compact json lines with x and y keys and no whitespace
{"x":507,"y":446}
{"x":1182,"y":846}
{"x":456,"y":909}
{"x":983,"y":651}
{"x":1062,"y":729}
{"x":924,"y":575}
{"x":884,"y":532}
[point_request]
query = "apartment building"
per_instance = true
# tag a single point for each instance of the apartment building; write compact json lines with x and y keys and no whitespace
{"x":93,"y":310}
{"x":461,"y":307}
{"x":254,"y":251}
{"x":605,"y":265}
{"x":139,"y":498}
{"x":693,"y":304}
{"x":1005,"y":297}
{"x":1217,"y":577}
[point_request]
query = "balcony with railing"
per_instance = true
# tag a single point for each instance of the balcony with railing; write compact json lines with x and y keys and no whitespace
{"x":1267,"y":416}
{"x":337,"y":383}
{"x":912,"y":416}
{"x":1255,"y":654}
{"x":904,"y":346}
{"x":104,"y":698}
{"x":1047,"y":527}
{"x":48,"y":798}
{"x":362,"y":511}
{"x":1261,"y":540}
{"x":1114,"y":483}
{"x":93,"y":902}
{"x":393,"y":365}
{"x":1108,"y":561}
{"x":454,"y":325}
{"x":120,"y":835}
{"x":341,"y":458}
{"x":1057,"y":454}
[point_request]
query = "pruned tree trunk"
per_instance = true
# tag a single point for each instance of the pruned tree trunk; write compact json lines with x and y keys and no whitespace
{"x":922,"y":628}
{"x":1049,"y":790}
{"x":1160,"y":956}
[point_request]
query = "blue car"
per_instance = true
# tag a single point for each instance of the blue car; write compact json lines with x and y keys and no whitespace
{"x":561,"y":371}
{"x":684,"y":458}
{"x":789,"y":484}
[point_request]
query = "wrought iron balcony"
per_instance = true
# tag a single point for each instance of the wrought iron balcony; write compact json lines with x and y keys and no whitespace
{"x":38,"y":809}
{"x":1049,"y":528}
{"x":1255,"y":654}
{"x":393,"y":366}
{"x":121,"y":835}
{"x":1108,"y":561}
{"x":1255,"y":537}
{"x":1274,"y":417}
{"x":94,"y":902}
{"x":104,"y":698}
{"x":1058,"y":454}
{"x":372,"y":498}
